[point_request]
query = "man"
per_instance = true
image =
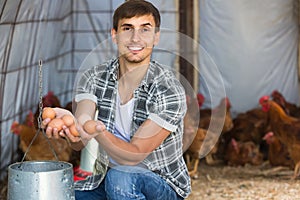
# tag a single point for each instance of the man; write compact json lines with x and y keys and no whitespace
{"x":141,"y":107}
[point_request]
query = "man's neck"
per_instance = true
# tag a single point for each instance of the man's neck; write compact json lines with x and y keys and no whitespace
{"x":130,"y":76}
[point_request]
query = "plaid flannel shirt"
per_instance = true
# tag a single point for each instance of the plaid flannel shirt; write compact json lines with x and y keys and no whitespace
{"x":159,"y":97}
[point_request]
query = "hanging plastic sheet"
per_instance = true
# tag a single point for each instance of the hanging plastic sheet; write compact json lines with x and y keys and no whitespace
{"x":254,"y":45}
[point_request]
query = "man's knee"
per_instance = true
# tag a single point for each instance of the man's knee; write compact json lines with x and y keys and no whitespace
{"x":122,"y":184}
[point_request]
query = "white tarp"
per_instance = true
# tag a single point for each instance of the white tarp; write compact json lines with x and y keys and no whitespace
{"x":254,"y":45}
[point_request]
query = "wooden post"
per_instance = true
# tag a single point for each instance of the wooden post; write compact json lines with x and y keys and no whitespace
{"x":186,"y":27}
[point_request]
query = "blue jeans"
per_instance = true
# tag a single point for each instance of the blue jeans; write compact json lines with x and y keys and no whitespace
{"x":130,"y":182}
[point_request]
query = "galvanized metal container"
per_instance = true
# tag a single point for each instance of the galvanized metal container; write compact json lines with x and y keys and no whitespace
{"x":36,"y":180}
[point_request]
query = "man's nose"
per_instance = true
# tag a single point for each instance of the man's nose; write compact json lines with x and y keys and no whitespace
{"x":135,"y":37}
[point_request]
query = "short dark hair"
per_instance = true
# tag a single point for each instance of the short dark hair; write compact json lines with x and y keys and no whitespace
{"x":132,"y":8}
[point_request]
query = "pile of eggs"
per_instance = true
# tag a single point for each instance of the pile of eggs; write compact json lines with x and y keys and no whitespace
{"x":58,"y":123}
{"x":68,"y":120}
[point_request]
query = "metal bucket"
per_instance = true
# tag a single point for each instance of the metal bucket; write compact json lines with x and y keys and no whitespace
{"x":36,"y":180}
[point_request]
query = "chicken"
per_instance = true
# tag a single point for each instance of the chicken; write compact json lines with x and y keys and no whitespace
{"x":290,"y":108}
{"x":241,"y":153}
{"x":193,"y":137}
{"x":51,"y":100}
{"x":69,"y":106}
{"x":29,"y":120}
{"x":194,"y":154}
{"x":212,"y":120}
{"x":285,"y":128}
{"x":277,"y":154}
{"x":26,"y":134}
{"x":220,"y":114}
{"x":190,"y":121}
{"x":205,"y":142}
{"x":38,"y":149}
{"x":200,"y":100}
{"x":250,"y":126}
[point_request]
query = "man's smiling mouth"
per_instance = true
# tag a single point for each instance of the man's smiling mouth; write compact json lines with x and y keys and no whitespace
{"x":135,"y":48}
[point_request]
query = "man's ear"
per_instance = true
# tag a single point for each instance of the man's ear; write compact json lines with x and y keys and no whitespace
{"x":113,"y":34}
{"x":156,"y":38}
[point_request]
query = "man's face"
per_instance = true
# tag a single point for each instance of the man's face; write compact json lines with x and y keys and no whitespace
{"x":135,"y":38}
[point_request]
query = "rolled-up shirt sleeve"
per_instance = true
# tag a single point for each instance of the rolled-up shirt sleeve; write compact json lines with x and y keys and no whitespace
{"x":171,"y":104}
{"x":85,"y":96}
{"x":85,"y":87}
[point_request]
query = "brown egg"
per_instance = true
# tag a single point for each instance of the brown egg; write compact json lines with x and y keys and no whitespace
{"x":56,"y":123}
{"x":90,"y":126}
{"x":48,"y":113}
{"x":68,"y":120}
{"x":73,"y":130}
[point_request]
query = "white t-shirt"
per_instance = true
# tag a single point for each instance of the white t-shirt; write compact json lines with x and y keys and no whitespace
{"x":123,"y":120}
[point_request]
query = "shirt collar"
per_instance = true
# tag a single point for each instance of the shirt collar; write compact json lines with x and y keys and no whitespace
{"x":149,"y":76}
{"x":146,"y":81}
{"x":113,"y":70}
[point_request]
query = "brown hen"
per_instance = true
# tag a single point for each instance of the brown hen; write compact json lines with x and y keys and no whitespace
{"x":286,"y":128}
{"x":205,"y":144}
{"x":190,"y":121}
{"x":277,"y":152}
{"x":290,"y":108}
{"x":194,"y":154}
{"x":250,"y":126}
{"x":219,"y":122}
{"x":240,"y":153}
{"x":40,"y":148}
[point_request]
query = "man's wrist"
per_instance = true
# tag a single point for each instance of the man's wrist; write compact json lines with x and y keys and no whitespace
{"x":83,"y":118}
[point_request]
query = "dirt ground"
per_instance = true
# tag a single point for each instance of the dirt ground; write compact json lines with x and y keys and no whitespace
{"x":242,"y":183}
{"x":237,"y":183}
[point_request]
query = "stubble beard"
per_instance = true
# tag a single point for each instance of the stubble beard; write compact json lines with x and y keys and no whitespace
{"x":135,"y":59}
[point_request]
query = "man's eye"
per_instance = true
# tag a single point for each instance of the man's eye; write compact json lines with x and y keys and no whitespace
{"x":126,"y":28}
{"x":145,"y":30}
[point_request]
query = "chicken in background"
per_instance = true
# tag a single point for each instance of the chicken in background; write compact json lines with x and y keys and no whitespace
{"x":69,"y":106}
{"x":192,"y":139}
{"x":218,"y":115}
{"x":285,"y":128}
{"x":40,"y":148}
{"x":251,"y":125}
{"x":26,"y":133}
{"x":194,"y":154}
{"x":242,"y":153}
{"x":200,"y":99}
{"x":277,"y":152}
{"x":289,"y":108}
{"x":205,"y":143}
{"x":211,"y":120}
{"x":29,"y":120}
{"x":190,"y":122}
